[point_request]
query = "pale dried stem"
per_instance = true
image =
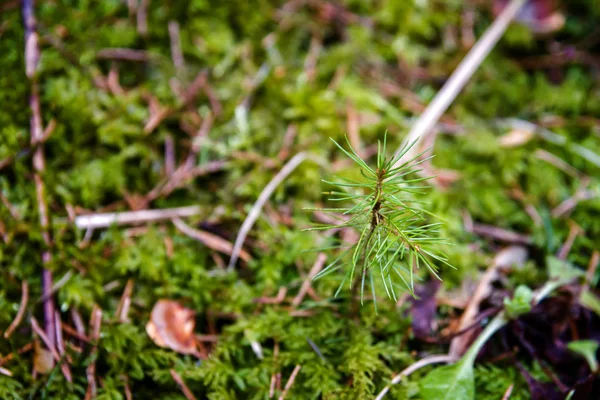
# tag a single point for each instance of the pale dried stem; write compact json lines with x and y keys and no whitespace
{"x":290,"y":382}
{"x":176,"y":53}
{"x":433,"y":359}
{"x":32,"y":56}
{"x":42,"y":335}
{"x":21,"y":312}
{"x":95,"y":326}
{"x":104,"y":220}
{"x":254,"y":213}
{"x":574,"y":231}
{"x":184,"y":388}
{"x":210,"y":240}
{"x":508,"y":392}
{"x":505,"y":258}
{"x":316,"y":268}
{"x":458,"y":79}
{"x":125,"y":302}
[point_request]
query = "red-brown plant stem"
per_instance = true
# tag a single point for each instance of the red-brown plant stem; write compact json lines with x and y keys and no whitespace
{"x":32,"y":56}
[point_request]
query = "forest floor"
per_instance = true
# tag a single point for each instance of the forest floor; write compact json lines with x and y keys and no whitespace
{"x":136,"y":136}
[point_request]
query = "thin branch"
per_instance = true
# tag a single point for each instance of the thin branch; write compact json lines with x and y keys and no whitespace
{"x":123,"y":54}
{"x":290,"y":382}
{"x":316,"y":268}
{"x":32,"y":56}
{"x":497,"y":233}
{"x":433,"y":359}
{"x":63,"y":366}
{"x":21,"y":311}
{"x":176,"y":53}
{"x":210,"y":240}
{"x":95,"y":325}
{"x":260,"y":202}
{"x":125,"y":302}
{"x":459,"y":78}
{"x":184,"y":388}
{"x":104,"y":220}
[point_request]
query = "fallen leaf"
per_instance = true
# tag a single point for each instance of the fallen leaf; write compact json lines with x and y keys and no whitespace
{"x":171,"y":325}
{"x":515,"y":138}
{"x":43,"y":361}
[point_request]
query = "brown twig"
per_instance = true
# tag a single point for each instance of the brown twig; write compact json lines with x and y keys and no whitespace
{"x":503,"y":235}
{"x":210,"y":240}
{"x":254,"y":213}
{"x":125,"y":302}
{"x":95,"y":325}
{"x":290,"y":382}
{"x":176,"y":53}
{"x":21,"y":311}
{"x":273,"y":300}
{"x":316,"y":268}
{"x":123,"y":54}
{"x":592,"y":266}
{"x":142,"y":17}
{"x":574,"y":231}
{"x":60,"y":343}
{"x":184,"y":388}
{"x":32,"y":56}
{"x":505,"y":258}
{"x":10,"y":356}
{"x":64,"y":366}
{"x":274,"y":375}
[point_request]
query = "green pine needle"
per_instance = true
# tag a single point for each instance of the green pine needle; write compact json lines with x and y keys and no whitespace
{"x":396,"y":236}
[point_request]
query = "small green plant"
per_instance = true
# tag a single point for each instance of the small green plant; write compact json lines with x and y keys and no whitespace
{"x":395,"y":236}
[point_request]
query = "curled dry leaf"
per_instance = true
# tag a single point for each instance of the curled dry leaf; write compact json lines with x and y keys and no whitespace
{"x":172,"y":325}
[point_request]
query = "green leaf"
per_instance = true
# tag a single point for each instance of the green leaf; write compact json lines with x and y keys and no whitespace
{"x":587,"y":349}
{"x":520,"y":303}
{"x":560,"y":269}
{"x":450,"y":382}
{"x":591,"y":301}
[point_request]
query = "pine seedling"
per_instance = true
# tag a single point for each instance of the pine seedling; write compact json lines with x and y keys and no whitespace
{"x":395,"y":235}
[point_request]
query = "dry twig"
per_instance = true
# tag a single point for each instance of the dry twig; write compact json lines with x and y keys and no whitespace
{"x":63,"y":366}
{"x":434,"y":359}
{"x":21,"y":311}
{"x":184,"y":388}
{"x":316,"y":268}
{"x":95,"y":325}
{"x":32,"y":56}
{"x":260,"y":202}
{"x":459,"y":78}
{"x":290,"y":382}
{"x":210,"y":240}
{"x":104,"y":220}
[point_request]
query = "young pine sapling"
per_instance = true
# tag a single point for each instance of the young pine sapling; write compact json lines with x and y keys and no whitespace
{"x":394,"y":234}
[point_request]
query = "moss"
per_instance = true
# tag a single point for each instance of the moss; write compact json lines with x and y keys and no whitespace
{"x":99,"y":154}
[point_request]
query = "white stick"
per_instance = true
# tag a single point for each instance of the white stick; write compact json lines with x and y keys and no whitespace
{"x":260,"y":202}
{"x":433,"y":359}
{"x":104,"y":220}
{"x":458,"y":79}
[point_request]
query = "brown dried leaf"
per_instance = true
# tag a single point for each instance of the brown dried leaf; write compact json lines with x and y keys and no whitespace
{"x":43,"y":361}
{"x":172,"y":325}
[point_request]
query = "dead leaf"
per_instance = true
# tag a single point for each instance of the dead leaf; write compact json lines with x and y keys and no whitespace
{"x":171,"y":325}
{"x":43,"y":361}
{"x":515,"y":138}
